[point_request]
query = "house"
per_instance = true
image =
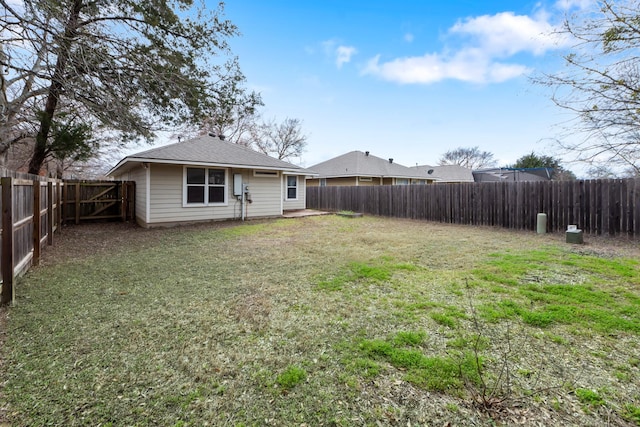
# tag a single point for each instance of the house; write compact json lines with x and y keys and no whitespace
{"x":358,"y":168}
{"x":446,"y":173}
{"x":513,"y":174}
{"x":206,"y":178}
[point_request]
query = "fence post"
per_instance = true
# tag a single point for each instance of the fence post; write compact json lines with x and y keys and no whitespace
{"x":50,"y":213}
{"x":64,"y":195}
{"x":59,"y":198}
{"x":77,"y":202}
{"x":36,"y":222}
{"x":8,"y":293}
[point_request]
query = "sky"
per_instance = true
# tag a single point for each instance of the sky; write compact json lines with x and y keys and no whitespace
{"x":406,"y":79}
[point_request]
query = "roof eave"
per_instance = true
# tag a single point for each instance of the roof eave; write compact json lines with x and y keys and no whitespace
{"x":123,"y":162}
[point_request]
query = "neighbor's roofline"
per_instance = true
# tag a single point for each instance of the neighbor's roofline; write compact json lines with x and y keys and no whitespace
{"x":376,"y":176}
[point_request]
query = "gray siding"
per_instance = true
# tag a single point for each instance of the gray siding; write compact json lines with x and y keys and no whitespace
{"x":265,"y":195}
{"x":300,"y":203}
{"x":167,"y":195}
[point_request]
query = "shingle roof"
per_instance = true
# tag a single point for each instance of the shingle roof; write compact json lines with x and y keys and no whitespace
{"x":208,"y":150}
{"x":446,"y":173}
{"x":357,"y":163}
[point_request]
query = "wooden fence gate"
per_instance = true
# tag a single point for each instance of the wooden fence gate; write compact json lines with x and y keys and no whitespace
{"x":97,"y":200}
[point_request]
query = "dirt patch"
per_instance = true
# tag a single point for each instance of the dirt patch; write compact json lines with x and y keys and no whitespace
{"x":80,"y":241}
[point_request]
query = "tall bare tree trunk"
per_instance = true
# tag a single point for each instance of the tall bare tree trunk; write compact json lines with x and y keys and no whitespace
{"x":55,"y":89}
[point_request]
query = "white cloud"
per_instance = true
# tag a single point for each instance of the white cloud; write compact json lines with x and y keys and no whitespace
{"x":488,"y":43}
{"x":344,"y":54}
{"x":341,"y":54}
{"x":431,"y":68}
{"x":574,"y":4}
{"x":408,"y":37}
{"x":506,"y":34}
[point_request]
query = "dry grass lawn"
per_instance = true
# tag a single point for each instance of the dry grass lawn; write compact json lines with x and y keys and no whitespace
{"x":324,"y":321}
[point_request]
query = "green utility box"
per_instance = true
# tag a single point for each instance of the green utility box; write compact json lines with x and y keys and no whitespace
{"x":574,"y":236}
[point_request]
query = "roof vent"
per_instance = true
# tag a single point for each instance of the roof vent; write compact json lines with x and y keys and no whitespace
{"x":430,"y":171}
{"x":366,"y":153}
{"x":390,"y":160}
{"x":221,"y":137}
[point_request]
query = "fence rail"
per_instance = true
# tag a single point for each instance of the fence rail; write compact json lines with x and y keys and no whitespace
{"x":596,"y":206}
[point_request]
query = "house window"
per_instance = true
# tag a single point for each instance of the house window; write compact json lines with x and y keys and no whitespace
{"x":292,"y":187}
{"x":323,"y":182}
{"x":365,"y":179}
{"x":204,"y":186}
{"x":402,"y":181}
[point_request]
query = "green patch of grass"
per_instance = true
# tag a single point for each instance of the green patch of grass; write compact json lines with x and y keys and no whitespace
{"x":434,"y":373}
{"x":501,"y":310}
{"x":590,"y":398}
{"x":558,"y":339}
{"x":444,"y":320}
{"x":632,"y":413}
{"x":511,"y":268}
{"x":366,"y":367}
{"x":353,"y":273}
{"x":569,"y":305}
{"x":452,"y":407}
{"x":409,"y":338}
{"x":291,"y":377}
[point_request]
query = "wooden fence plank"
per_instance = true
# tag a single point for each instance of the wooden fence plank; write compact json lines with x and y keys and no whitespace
{"x":77,"y":202}
{"x":50,"y":213}
{"x":36,"y":223}
{"x":6,"y":264}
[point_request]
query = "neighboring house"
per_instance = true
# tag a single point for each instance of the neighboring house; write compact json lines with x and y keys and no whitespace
{"x":358,"y":168}
{"x":446,"y":173}
{"x":203,"y":179}
{"x":513,"y":174}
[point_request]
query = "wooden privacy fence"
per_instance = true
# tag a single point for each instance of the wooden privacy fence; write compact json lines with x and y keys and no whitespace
{"x":30,"y":215}
{"x":595,"y":206}
{"x":33,"y":208}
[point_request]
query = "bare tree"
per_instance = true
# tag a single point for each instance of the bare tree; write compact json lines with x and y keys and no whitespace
{"x":601,"y":85}
{"x":471,"y":158}
{"x":128,"y":68}
{"x":281,"y":140}
{"x":234,"y":116}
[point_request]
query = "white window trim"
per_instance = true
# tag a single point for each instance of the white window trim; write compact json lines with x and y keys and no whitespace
{"x":206,"y":185}
{"x":286,"y":187}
